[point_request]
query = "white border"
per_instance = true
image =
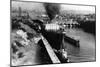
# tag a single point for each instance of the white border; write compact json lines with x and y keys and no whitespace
{"x":5,"y":33}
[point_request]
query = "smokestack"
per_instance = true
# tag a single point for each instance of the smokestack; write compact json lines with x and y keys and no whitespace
{"x":52,"y":9}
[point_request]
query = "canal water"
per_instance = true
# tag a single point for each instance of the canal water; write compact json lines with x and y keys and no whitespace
{"x":86,"y":51}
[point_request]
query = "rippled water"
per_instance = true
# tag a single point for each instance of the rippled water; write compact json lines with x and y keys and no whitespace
{"x":86,"y":51}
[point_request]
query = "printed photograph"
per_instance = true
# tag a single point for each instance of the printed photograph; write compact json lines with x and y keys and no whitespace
{"x":51,"y":33}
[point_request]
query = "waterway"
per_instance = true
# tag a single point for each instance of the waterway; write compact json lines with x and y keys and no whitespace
{"x":86,"y":51}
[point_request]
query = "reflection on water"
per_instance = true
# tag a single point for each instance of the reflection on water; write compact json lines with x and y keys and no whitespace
{"x":86,"y":51}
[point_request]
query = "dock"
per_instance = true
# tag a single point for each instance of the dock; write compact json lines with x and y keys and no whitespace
{"x":72,"y":39}
{"x":50,"y":51}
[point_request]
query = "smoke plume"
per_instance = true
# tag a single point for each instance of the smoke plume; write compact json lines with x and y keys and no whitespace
{"x":52,"y":9}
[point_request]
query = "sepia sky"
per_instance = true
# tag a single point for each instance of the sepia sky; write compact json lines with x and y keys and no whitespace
{"x":39,"y":6}
{"x":27,"y":5}
{"x":80,"y":8}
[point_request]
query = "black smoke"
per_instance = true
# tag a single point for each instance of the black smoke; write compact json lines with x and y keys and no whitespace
{"x":52,"y":9}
